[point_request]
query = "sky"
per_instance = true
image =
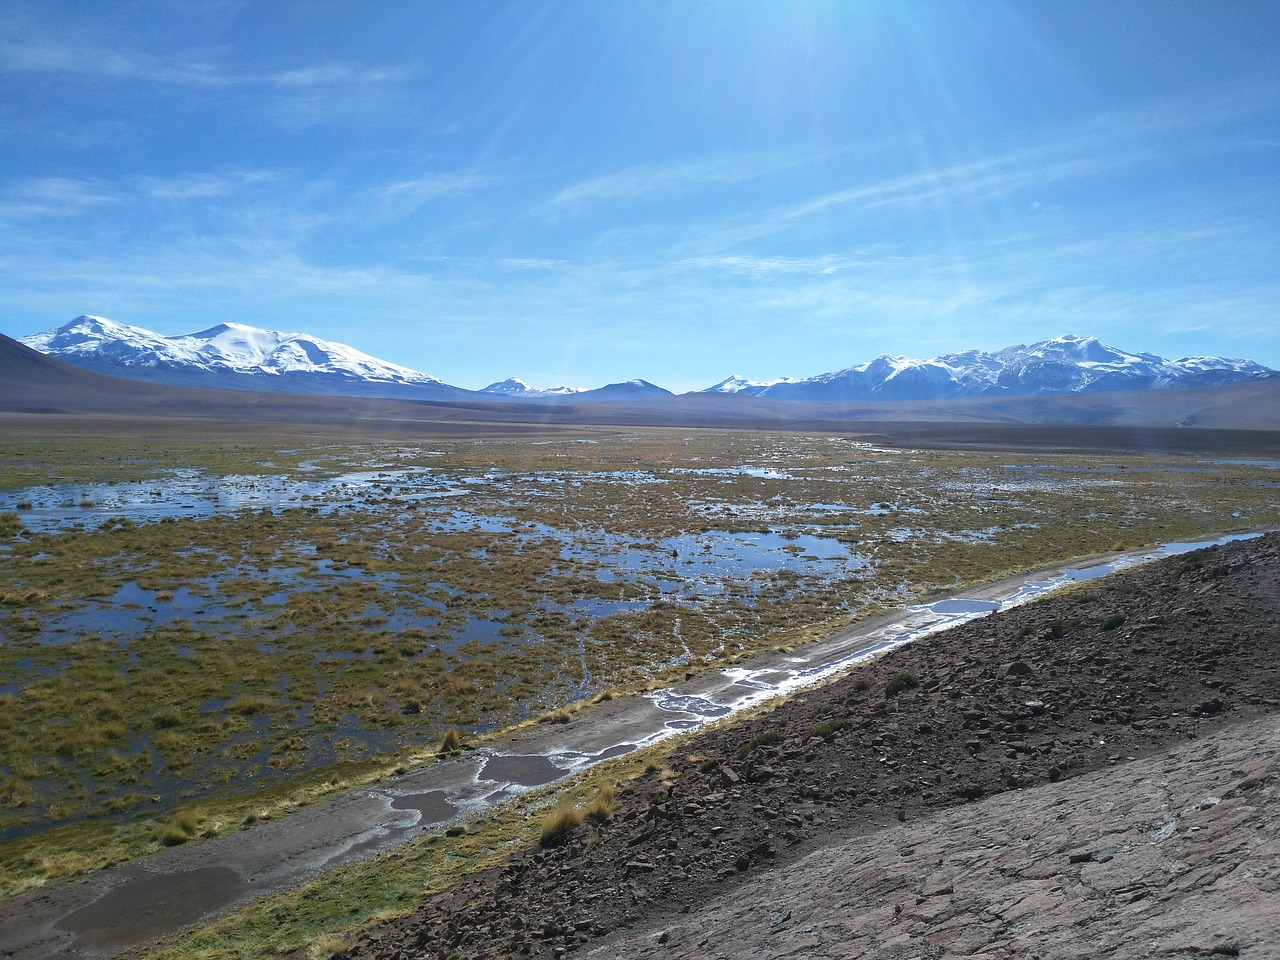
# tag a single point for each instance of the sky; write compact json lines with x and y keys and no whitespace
{"x":582,"y":192}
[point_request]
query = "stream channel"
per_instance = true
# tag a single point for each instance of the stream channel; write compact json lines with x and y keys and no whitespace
{"x":143,"y":900}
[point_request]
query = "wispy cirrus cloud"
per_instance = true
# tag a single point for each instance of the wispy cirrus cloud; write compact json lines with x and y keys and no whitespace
{"x":765,"y":266}
{"x":42,"y":198}
{"x":671,"y":179}
{"x":203,"y":186}
{"x":102,"y":59}
{"x":982,"y":180}
{"x":294,"y":97}
{"x":410,"y":194}
{"x":63,"y":197}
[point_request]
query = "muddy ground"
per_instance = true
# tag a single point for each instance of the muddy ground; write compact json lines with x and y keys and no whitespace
{"x":1122,"y":668}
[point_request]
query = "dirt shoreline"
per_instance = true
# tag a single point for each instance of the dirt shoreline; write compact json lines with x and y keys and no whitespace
{"x":1078,"y":685}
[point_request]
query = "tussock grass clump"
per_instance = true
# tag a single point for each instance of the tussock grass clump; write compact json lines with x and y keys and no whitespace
{"x":559,"y":824}
{"x":167,"y":835}
{"x":81,"y":743}
{"x":828,"y":729}
{"x":15,"y":792}
{"x":602,"y":805}
{"x":166,"y":717}
{"x":452,"y":684}
{"x":28,"y":597}
{"x":106,"y":707}
{"x":327,"y":946}
{"x":451,"y":742}
{"x":900,"y":683}
{"x":555,"y":716}
{"x":180,"y":828}
{"x":170,"y":741}
{"x":1113,"y":622}
{"x":247,"y":705}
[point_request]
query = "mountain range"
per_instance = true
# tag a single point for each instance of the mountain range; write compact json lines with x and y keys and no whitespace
{"x":233,"y":356}
{"x":1067,"y":364}
{"x":239,"y":357}
{"x":40,"y":393}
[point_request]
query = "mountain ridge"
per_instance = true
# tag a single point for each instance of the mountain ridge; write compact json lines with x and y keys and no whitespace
{"x":1065,"y":364}
{"x":41,"y":393}
{"x":240,"y":357}
{"x":234,"y":356}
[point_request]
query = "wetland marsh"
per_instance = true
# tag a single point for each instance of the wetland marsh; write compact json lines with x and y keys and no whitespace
{"x":194,"y":624}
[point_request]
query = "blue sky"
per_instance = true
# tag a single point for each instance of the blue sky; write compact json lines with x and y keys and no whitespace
{"x":586,"y":192}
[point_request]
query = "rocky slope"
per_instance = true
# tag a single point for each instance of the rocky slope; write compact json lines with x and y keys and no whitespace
{"x":828,"y":824}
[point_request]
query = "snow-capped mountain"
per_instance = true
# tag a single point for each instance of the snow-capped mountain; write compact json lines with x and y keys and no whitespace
{"x":511,"y":387}
{"x":238,"y":357}
{"x":1067,"y":364}
{"x":629,"y":390}
{"x":234,"y":356}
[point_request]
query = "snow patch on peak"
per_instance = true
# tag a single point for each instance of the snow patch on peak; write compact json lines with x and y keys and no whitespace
{"x":514,"y":387}
{"x":511,"y":387}
{"x":222,"y":349}
{"x":1065,"y":364}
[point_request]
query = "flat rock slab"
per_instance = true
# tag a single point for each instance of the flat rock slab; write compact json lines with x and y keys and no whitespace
{"x":1176,"y":855}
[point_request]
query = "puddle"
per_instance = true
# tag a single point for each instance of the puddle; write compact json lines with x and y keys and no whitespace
{"x":683,"y":724}
{"x":193,"y":493}
{"x":1089,"y":573}
{"x":526,"y":771}
{"x":961,"y":605}
{"x":434,"y":806}
{"x":760,"y":473}
{"x":688,"y":568}
{"x":1176,"y":548}
{"x":580,"y":761}
{"x":617,"y":750}
{"x":127,"y":613}
{"x":674,"y":702}
{"x":152,"y":906}
{"x":673,"y":561}
{"x":757,"y":683}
